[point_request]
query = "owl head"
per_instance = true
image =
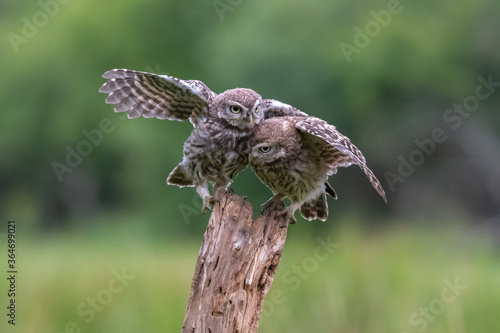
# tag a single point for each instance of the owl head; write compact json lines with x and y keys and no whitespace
{"x":238,"y":107}
{"x":274,"y":141}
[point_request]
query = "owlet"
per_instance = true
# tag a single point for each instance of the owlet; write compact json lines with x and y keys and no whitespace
{"x":294,"y":156}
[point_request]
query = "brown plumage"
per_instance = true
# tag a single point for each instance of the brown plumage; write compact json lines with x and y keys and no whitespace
{"x":294,"y":156}
{"x":216,"y":150}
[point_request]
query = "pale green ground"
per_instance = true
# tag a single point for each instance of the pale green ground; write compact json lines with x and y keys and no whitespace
{"x":370,"y":282}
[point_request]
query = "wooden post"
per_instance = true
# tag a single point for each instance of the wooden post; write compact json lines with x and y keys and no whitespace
{"x":235,"y":268}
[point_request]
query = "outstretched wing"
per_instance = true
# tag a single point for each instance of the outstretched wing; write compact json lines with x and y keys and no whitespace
{"x":338,"y":151}
{"x":156,"y":96}
{"x":273,"y":108}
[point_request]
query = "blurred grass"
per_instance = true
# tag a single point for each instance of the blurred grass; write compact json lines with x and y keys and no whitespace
{"x":373,"y":281}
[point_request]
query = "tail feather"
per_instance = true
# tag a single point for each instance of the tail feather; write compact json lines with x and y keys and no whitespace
{"x":179,"y":177}
{"x":330,"y":191}
{"x":316,"y":209}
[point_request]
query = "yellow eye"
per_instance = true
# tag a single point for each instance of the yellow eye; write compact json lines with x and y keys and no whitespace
{"x":257,"y":110}
{"x":235,"y":109}
{"x":265,"y":149}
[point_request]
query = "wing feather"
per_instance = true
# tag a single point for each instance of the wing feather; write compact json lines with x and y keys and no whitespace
{"x":156,"y":96}
{"x":339,"y":150}
{"x":273,"y":108}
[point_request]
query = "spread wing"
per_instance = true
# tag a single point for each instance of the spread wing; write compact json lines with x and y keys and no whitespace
{"x":156,"y":96}
{"x":273,"y":108}
{"x":338,"y":151}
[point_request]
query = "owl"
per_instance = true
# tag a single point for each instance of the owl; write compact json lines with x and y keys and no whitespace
{"x":216,"y":151}
{"x":294,"y":156}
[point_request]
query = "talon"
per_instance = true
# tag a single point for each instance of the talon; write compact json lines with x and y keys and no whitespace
{"x":205,"y":210}
{"x":288,"y":217}
{"x":207,"y":203}
{"x":284,"y":223}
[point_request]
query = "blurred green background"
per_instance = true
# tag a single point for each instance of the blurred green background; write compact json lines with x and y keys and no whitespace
{"x":414,"y":84}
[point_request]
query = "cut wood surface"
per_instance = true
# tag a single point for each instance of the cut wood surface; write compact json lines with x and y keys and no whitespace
{"x":235,"y":268}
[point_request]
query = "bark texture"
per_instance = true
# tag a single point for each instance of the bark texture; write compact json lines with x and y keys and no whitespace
{"x":235,"y":269}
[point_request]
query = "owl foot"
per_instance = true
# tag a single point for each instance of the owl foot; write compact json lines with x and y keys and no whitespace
{"x":273,"y":204}
{"x":221,"y":191}
{"x":288,"y":215}
{"x":208,"y":203}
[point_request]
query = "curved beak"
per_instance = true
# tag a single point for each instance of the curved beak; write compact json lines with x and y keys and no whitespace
{"x":249,"y":119}
{"x":249,"y":158}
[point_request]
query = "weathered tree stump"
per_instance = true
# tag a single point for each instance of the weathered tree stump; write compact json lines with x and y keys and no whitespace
{"x":235,"y":268}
